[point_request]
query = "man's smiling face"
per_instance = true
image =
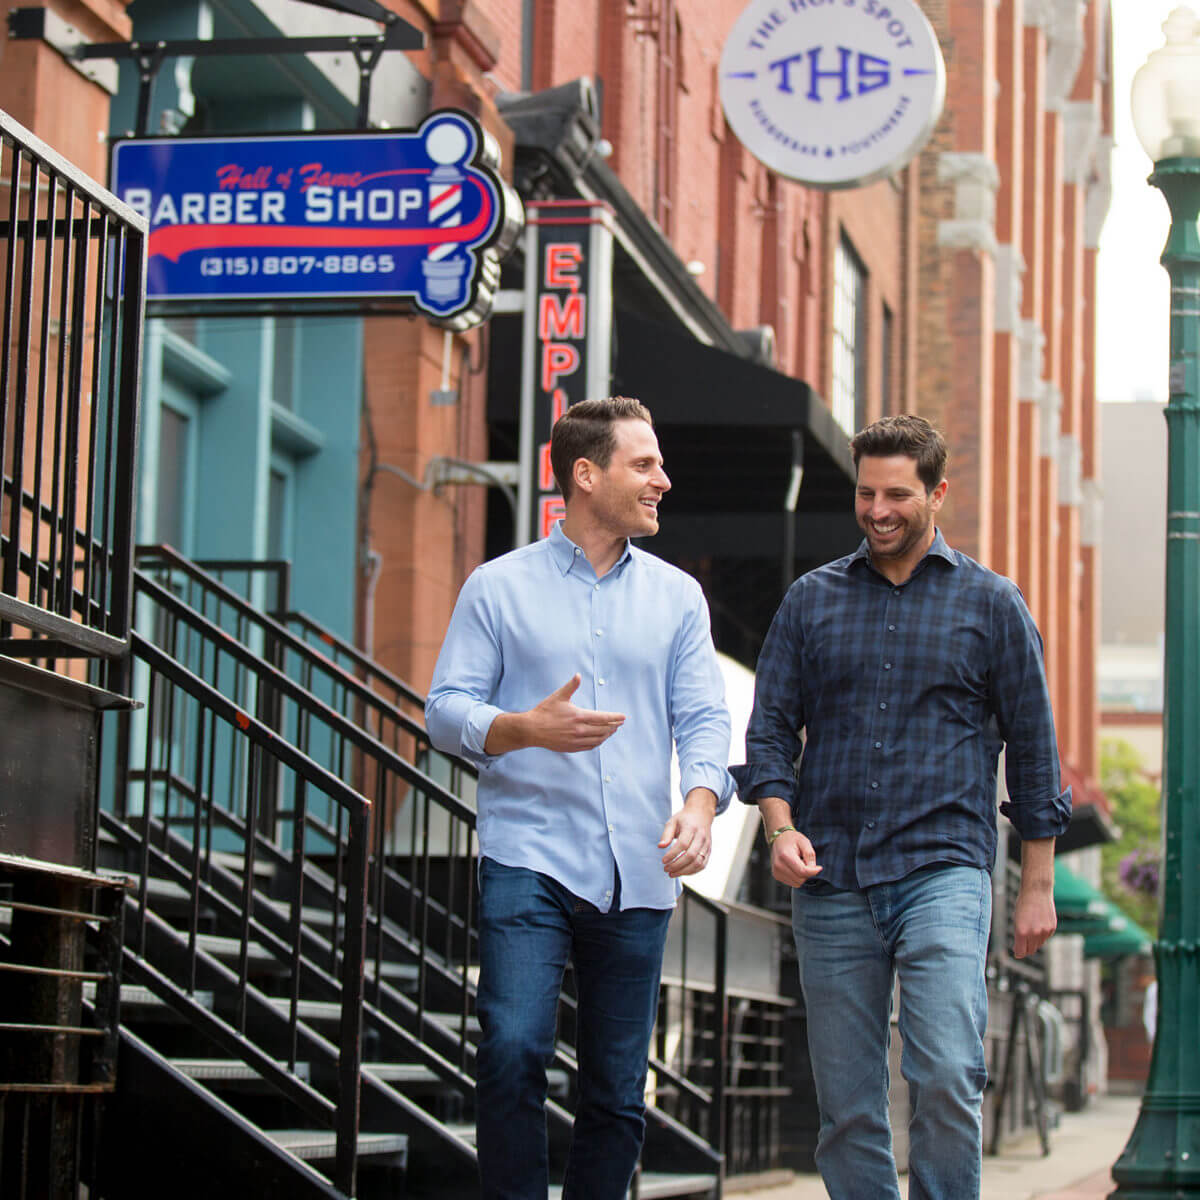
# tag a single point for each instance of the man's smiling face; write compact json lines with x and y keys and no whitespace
{"x":893,"y":508}
{"x":626,"y":492}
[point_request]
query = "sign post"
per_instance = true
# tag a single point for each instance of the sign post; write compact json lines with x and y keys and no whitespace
{"x":567,"y":348}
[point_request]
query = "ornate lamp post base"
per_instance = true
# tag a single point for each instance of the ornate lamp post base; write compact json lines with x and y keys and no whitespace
{"x":1163,"y":1155}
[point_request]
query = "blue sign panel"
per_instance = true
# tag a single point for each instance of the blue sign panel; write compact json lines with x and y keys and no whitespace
{"x":402,"y":215}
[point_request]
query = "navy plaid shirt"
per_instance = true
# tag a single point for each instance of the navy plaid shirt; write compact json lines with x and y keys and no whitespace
{"x":906,"y":695}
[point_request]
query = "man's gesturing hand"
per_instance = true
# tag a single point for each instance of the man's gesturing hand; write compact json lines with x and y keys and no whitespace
{"x":554,"y":724}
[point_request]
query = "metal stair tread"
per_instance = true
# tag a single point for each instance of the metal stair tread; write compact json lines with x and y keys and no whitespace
{"x":394,"y":970}
{"x":412,"y":1073}
{"x":655,"y":1186}
{"x":310,"y":1010}
{"x":229,"y":1070}
{"x":220,"y":946}
{"x":134,"y":995}
{"x":317,"y":1145}
{"x":453,"y":1021}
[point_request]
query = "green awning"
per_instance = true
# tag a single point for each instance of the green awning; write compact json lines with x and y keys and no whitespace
{"x":1107,"y":931}
{"x":1133,"y":939}
{"x":1077,"y":900}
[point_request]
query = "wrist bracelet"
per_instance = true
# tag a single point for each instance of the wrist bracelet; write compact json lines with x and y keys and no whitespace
{"x":782,"y":829}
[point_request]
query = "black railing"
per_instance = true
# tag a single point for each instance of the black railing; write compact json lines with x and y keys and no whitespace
{"x":60,"y":958}
{"x":420,"y":885}
{"x":349,"y":714}
{"x":72,"y":279}
{"x":189,"y":776}
{"x":227,"y":593}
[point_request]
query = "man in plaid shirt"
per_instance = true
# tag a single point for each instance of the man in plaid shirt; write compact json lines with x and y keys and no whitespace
{"x":886,"y":688}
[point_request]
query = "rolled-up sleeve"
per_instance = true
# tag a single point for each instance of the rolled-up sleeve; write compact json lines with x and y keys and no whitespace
{"x":773,"y":735}
{"x":1037,"y":805}
{"x":458,"y":710}
{"x":699,"y":717}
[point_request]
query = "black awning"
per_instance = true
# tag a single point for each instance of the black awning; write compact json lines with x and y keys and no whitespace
{"x":690,"y":386}
{"x":727,"y":427}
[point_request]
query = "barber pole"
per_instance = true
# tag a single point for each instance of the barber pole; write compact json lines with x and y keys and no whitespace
{"x":443,"y":270}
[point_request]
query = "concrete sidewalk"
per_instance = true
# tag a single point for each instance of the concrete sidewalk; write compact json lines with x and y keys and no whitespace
{"x":1082,"y":1151}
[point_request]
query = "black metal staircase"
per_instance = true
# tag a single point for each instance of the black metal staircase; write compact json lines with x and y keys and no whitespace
{"x":263,"y":790}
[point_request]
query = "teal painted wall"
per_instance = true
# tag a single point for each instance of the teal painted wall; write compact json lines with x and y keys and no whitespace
{"x":261,"y":394}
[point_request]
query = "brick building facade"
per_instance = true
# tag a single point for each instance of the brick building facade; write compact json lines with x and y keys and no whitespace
{"x":971,"y":272}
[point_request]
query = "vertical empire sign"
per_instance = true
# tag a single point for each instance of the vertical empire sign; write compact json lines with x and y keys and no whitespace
{"x":567,"y":350}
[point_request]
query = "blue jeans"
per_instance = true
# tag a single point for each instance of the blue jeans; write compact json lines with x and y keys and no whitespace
{"x":528,"y":927}
{"x":932,"y":928}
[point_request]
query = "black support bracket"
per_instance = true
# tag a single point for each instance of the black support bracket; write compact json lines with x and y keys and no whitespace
{"x":397,"y":34}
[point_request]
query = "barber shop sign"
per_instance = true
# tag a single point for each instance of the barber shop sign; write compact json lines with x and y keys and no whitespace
{"x":833,"y":93}
{"x":398,"y":214}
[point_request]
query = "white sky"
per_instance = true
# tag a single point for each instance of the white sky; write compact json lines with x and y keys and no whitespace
{"x":1133,"y":291}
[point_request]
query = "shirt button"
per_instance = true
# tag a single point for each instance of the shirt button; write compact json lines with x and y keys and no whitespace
{"x":600,"y":682}
{"x":599,"y":632}
{"x":608,"y":779}
{"x":883,"y":704}
{"x":870,"y":824}
{"x":895,"y":591}
{"x":611,"y":829}
{"x":874,"y":785}
{"x":578,"y":552}
{"x":887,"y":666}
{"x":878,"y":745}
{"x":595,"y":587}
{"x":891,"y":629}
{"x":608,"y":895}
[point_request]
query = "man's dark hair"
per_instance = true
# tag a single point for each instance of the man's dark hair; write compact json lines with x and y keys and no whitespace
{"x":912,"y":436}
{"x":585,"y":430}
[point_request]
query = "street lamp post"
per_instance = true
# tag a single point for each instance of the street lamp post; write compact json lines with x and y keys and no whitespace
{"x":1162,"y":1157}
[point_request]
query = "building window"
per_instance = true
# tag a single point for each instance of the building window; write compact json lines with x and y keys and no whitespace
{"x":670,"y":40}
{"x":849,"y":339}
{"x":887,"y":349}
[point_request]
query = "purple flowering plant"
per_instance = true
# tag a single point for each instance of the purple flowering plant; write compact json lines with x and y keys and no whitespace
{"x":1139,"y":871}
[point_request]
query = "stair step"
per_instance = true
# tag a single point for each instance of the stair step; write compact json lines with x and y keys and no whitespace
{"x":453,"y":1021}
{"x":310,"y":1011}
{"x":404,"y":1073}
{"x":133,"y":995}
{"x":230,"y":948}
{"x":319,"y":1145}
{"x":229,"y":1070}
{"x":414,"y":1074}
{"x":405,"y":972}
{"x":654,"y":1186}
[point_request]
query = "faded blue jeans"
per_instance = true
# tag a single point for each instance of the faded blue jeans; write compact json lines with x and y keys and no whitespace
{"x":932,"y":929}
{"x":528,"y":927}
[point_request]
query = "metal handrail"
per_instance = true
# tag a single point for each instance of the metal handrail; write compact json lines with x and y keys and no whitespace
{"x":69,"y":381}
{"x":285,"y":641}
{"x":705,"y":1088}
{"x":222,"y":719}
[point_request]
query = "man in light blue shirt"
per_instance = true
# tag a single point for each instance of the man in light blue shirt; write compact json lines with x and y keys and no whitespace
{"x":569,"y":669}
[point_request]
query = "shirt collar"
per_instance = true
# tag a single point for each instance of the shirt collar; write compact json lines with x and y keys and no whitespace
{"x":564,"y":551}
{"x":938,"y":547}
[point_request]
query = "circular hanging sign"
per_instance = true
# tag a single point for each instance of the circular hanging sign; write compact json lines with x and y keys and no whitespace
{"x":833,"y":93}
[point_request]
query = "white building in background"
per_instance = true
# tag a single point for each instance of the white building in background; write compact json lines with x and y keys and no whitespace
{"x":1132,"y":580}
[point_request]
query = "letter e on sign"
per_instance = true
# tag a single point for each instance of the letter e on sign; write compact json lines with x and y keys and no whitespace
{"x":562,"y":265}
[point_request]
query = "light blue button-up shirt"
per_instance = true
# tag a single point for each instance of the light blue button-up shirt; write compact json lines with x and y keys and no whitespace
{"x":639,"y":637}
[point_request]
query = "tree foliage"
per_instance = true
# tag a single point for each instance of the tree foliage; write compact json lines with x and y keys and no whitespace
{"x":1129,"y":866}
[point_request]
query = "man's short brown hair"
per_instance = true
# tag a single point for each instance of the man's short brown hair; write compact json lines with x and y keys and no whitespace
{"x":585,"y":430}
{"x":906,"y":434}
